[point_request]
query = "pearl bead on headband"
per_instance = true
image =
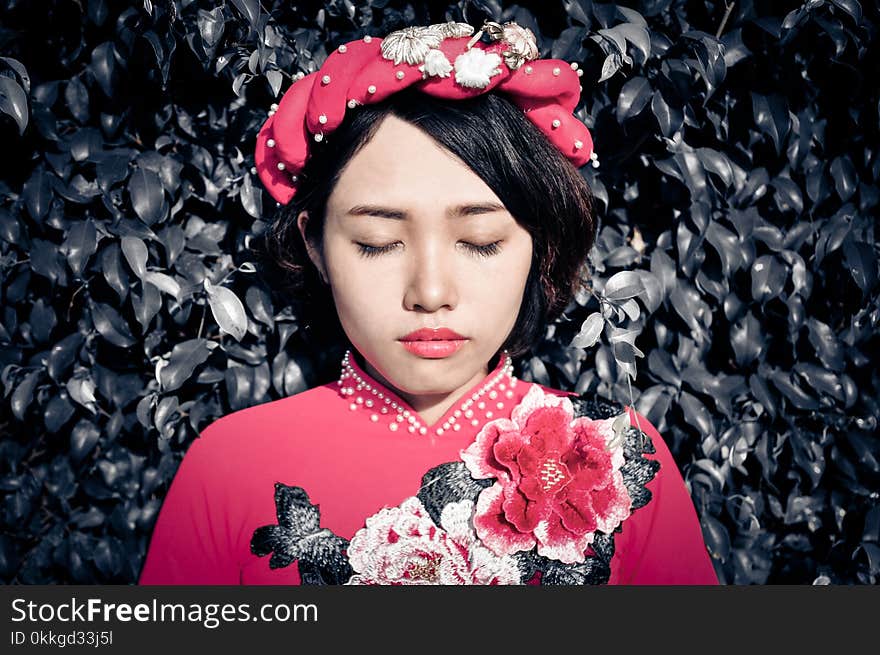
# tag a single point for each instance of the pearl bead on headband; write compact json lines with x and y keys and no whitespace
{"x":445,"y":60}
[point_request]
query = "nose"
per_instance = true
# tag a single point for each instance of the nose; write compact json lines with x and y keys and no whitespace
{"x":431,"y":282}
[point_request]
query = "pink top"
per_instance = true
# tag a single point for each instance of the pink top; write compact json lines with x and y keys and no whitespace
{"x":344,"y":453}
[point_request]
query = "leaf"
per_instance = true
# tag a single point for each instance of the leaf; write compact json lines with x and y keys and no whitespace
{"x":77,"y":98}
{"x":854,"y":9}
{"x":788,"y":195}
{"x":135,"y":251}
{"x":872,"y":555}
{"x":20,"y":70}
{"x":747,"y":339}
{"x":164,"y":283}
{"x":147,"y":195}
{"x":111,"y":325}
{"x":114,"y":273}
{"x":797,"y":396}
{"x":696,"y":414}
{"x":239,"y":386}
{"x":251,"y":197}
{"x":211,"y":27}
{"x":590,"y":331}
{"x":82,"y":390}
{"x":639,"y":36}
{"x":669,"y":118}
{"x":63,"y":354}
{"x":826,"y":343}
{"x":633,"y":98}
{"x":59,"y":411}
{"x":771,"y":116}
{"x":623,"y":285}
{"x":716,"y":162}
{"x":716,"y":536}
{"x":43,"y":320}
{"x":146,"y":304}
{"x":24,"y":394}
{"x":80,"y":245}
{"x":260,"y":305}
{"x":610,"y":66}
{"x":103,"y":67}
{"x":228,"y":310}
{"x":846,"y":178}
{"x":768,"y":278}
{"x":184,"y":359}
{"x":250,"y":9}
{"x":274,"y":78}
{"x":761,"y":391}
{"x":13,"y":102}
{"x":165,"y":411}
{"x":568,"y":44}
{"x":38,"y":194}
{"x":861,"y":260}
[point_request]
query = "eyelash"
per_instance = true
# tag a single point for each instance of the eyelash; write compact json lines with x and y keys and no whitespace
{"x":486,"y":250}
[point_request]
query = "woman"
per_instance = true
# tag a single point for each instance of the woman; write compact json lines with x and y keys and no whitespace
{"x":432,"y":192}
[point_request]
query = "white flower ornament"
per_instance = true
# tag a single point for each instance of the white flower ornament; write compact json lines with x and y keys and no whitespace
{"x":411,"y":44}
{"x":436,"y":64}
{"x":475,"y":67}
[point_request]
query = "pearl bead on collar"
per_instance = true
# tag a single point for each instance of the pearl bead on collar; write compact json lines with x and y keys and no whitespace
{"x":476,"y":408}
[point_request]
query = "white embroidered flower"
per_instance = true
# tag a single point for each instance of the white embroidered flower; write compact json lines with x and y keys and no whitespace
{"x":454,"y":30}
{"x":474,"y":68}
{"x":522,"y":45}
{"x":402,"y":546}
{"x":410,"y":44}
{"x":436,"y":64}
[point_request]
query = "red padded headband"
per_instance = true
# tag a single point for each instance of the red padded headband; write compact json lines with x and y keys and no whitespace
{"x":440,"y":60}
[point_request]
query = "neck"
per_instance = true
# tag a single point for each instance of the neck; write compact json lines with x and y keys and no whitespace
{"x":432,"y":406}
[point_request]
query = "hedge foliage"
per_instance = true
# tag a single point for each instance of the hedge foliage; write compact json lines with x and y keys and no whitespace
{"x":737,"y":192}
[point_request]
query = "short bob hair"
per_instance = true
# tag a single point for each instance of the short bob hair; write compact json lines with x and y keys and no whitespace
{"x":541,"y":189}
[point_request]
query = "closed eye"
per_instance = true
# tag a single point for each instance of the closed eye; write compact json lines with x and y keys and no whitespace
{"x":374,"y":251}
{"x":483,"y":250}
{"x":486,"y":250}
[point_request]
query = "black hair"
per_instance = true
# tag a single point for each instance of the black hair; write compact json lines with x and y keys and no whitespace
{"x":541,"y":189}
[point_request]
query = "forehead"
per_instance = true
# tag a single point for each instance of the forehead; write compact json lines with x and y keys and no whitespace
{"x":403,"y":165}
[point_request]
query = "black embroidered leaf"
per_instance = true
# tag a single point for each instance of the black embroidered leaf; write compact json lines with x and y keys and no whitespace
{"x":323,"y":560}
{"x":294,"y":510}
{"x":595,"y":407}
{"x":592,"y":571}
{"x":298,"y":536}
{"x":603,"y":546}
{"x":449,"y":483}
{"x":638,"y":471}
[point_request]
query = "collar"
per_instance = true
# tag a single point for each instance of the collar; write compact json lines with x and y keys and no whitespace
{"x":492,"y":395}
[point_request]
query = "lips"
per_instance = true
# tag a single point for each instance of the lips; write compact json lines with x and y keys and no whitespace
{"x":433,"y":334}
{"x":433,"y":343}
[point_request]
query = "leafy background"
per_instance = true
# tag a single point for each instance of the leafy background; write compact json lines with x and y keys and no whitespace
{"x":737,"y":188}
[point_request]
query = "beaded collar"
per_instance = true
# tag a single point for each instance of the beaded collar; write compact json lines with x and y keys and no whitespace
{"x":477,"y":406}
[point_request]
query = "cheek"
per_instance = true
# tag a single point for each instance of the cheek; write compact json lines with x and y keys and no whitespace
{"x":361,"y":297}
{"x":502,"y":284}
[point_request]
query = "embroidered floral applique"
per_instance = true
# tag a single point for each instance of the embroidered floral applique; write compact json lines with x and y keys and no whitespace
{"x":536,"y":499}
{"x":475,"y":67}
{"x":557,"y":479}
{"x":402,"y":545}
{"x":298,"y":536}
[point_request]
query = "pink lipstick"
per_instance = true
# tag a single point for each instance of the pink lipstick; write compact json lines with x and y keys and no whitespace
{"x":433,"y":343}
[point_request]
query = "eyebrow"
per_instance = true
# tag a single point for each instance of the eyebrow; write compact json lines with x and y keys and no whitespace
{"x":466,"y":209}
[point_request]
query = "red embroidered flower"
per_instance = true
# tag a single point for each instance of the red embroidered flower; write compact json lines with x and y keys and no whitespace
{"x":558,"y":479}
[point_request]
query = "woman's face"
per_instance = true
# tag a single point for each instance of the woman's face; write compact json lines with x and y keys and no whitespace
{"x":414,"y":239}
